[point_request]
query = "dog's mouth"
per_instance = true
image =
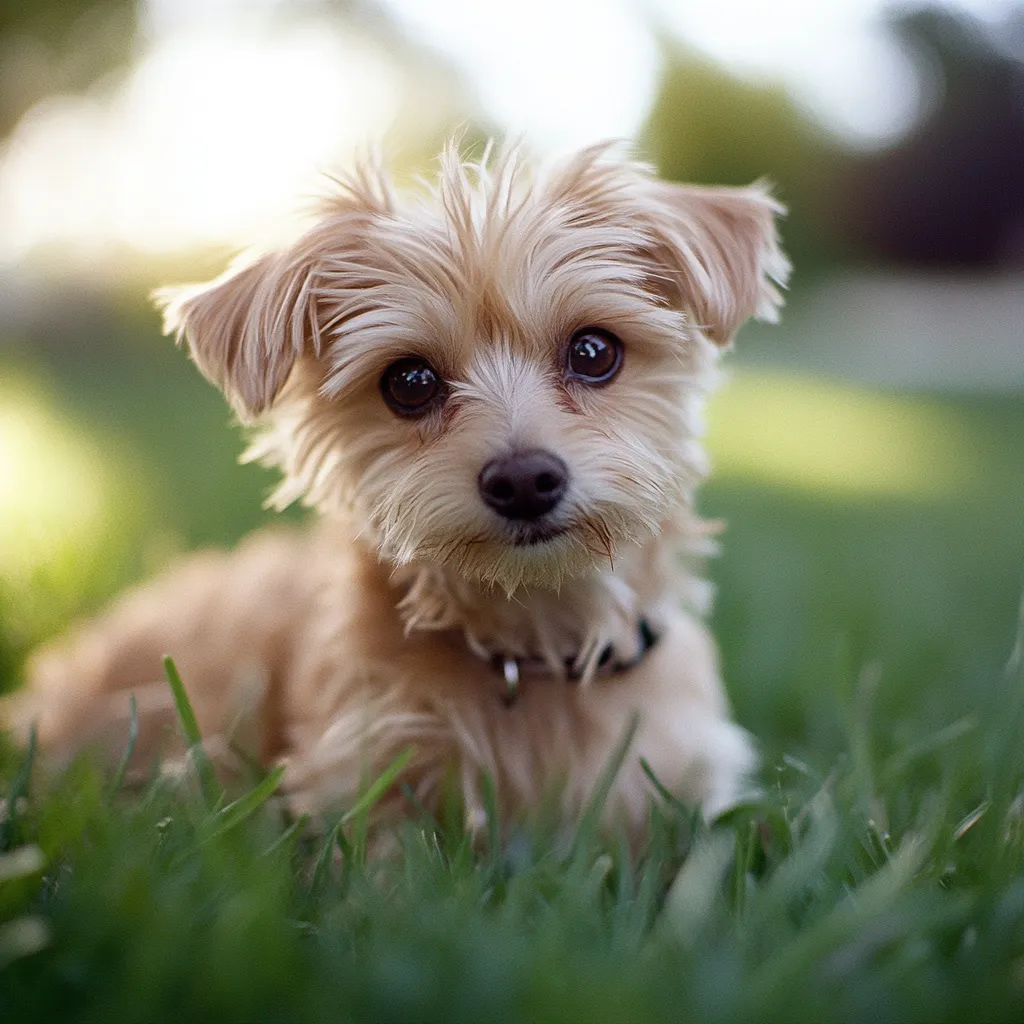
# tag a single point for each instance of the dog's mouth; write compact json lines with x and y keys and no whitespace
{"x":527,"y":535}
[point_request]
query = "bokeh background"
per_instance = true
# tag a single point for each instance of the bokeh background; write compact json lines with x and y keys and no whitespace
{"x":869,"y":452}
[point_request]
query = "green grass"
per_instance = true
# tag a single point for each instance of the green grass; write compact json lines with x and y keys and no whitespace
{"x":860,"y":896}
{"x":865,"y":642}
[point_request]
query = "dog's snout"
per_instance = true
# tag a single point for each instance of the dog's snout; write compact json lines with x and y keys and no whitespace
{"x":524,"y":485}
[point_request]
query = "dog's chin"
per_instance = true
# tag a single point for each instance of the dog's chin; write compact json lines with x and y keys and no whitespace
{"x":540,"y":554}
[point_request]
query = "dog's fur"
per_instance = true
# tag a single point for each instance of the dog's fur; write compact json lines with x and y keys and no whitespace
{"x":336,"y":649}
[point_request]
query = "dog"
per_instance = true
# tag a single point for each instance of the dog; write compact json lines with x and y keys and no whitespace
{"x":491,"y":392}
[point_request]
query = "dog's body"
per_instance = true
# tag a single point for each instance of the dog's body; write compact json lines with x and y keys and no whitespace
{"x":494,"y":402}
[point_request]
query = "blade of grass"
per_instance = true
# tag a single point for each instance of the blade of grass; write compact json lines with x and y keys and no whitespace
{"x":873,"y":898}
{"x":18,"y":790}
{"x":133,"y":735}
{"x":186,"y":716}
{"x":23,"y":937}
{"x":410,"y":797}
{"x":746,"y":852}
{"x":1009,"y":728}
{"x":190,"y":729}
{"x":359,"y":813}
{"x":898,"y":765}
{"x":490,"y":798}
{"x":235,"y":813}
{"x":860,"y":736}
{"x":323,"y":860}
{"x":971,"y":819}
{"x":807,"y":857}
{"x":595,"y":805}
{"x":696,"y":890}
{"x":348,"y":858}
{"x":25,"y":860}
{"x":662,"y":790}
{"x":378,"y":787}
{"x":287,"y":835}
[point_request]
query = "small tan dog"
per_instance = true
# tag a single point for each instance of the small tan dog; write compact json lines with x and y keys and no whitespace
{"x":492,"y":394}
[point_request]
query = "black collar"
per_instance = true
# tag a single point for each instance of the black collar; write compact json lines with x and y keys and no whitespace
{"x":511,"y":669}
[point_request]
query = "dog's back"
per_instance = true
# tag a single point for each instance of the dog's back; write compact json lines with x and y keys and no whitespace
{"x":230,"y":622}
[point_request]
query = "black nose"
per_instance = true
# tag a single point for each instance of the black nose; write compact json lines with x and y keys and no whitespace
{"x":524,"y":485}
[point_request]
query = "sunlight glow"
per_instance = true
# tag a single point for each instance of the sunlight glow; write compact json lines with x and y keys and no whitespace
{"x":213,"y":136}
{"x":54,"y":490}
{"x":835,"y":441}
{"x":562,"y":73}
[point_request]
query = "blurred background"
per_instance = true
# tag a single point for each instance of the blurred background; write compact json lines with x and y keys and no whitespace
{"x":869,"y":452}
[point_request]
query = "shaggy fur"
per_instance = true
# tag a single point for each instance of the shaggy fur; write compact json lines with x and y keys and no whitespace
{"x":336,"y":649}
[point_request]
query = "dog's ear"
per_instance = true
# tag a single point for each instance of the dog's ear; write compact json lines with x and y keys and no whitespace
{"x":721,"y":249}
{"x":246,"y":328}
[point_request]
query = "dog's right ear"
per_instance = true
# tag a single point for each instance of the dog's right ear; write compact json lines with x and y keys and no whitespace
{"x":246,"y":328}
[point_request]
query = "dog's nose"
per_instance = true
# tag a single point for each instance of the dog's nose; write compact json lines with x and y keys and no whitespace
{"x":524,"y":485}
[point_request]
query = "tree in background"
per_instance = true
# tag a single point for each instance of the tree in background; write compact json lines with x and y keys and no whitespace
{"x":710,"y":127}
{"x":952,"y":192}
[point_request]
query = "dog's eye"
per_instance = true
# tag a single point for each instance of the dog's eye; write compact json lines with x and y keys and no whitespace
{"x":410,"y":386}
{"x":594,"y":355}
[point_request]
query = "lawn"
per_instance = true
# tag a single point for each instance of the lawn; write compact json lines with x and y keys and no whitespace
{"x":868,"y":608}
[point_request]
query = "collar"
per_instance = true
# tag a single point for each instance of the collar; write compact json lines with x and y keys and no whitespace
{"x":510,"y":670}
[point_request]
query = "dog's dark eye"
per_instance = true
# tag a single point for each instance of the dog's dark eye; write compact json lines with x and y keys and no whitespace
{"x":594,"y":355}
{"x":410,"y":386}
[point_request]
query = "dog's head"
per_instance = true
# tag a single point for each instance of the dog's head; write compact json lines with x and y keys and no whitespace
{"x":503,"y":375}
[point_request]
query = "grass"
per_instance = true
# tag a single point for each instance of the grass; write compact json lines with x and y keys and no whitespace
{"x":867,"y":640}
{"x":839,"y":899}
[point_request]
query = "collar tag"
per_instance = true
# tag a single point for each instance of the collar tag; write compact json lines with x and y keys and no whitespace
{"x":510,"y":671}
{"x":511,"y":668}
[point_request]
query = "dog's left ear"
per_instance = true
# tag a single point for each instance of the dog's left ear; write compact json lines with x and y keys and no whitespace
{"x":721,"y":250}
